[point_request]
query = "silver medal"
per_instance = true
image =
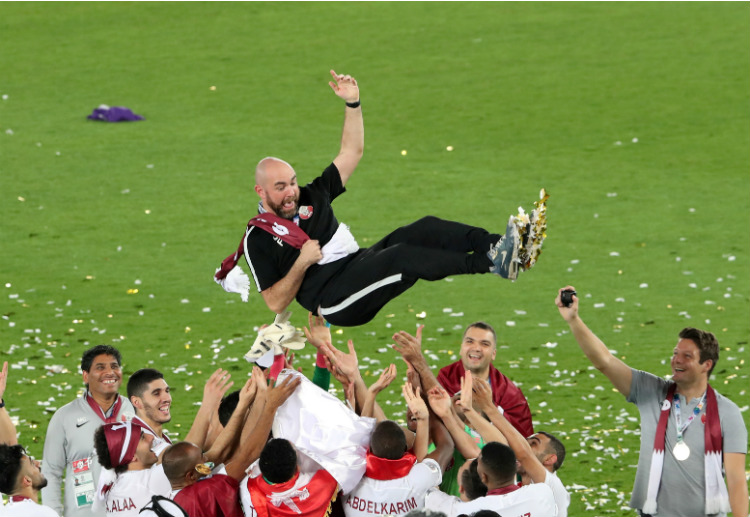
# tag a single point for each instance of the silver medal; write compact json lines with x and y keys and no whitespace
{"x":681,"y":451}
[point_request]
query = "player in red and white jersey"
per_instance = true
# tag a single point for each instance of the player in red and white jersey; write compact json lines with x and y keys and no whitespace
{"x":217,"y":494}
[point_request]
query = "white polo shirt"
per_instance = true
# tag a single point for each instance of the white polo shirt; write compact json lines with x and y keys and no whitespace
{"x":26,"y":508}
{"x":529,"y":501}
{"x":132,"y":490}
{"x":394,"y":496}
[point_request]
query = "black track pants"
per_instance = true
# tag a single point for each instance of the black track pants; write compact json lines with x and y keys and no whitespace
{"x":428,"y":249}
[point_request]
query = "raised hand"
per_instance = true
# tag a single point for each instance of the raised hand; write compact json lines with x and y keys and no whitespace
{"x":318,"y":334}
{"x":483,"y":395}
{"x":345,"y":86}
{"x":384,"y":380}
{"x":278,"y":394}
{"x":568,"y":313}
{"x":440,"y":402}
{"x":466,"y":400}
{"x":414,"y":402}
{"x":410,"y":347}
{"x":216,"y":386}
{"x":342,"y":364}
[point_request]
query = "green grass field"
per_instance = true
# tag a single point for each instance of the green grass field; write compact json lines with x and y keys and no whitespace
{"x":634,"y":116}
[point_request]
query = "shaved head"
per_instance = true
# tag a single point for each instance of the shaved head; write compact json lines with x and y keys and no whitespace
{"x":276,"y":185}
{"x":267,"y":165}
{"x":180,"y":459}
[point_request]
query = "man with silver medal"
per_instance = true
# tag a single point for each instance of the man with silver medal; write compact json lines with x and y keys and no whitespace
{"x":693,"y":439}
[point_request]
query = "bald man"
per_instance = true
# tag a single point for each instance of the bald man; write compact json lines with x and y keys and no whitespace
{"x":296,"y":248}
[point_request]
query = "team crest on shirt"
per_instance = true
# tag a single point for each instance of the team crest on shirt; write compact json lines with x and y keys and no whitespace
{"x":305,"y":212}
{"x":280,"y":229}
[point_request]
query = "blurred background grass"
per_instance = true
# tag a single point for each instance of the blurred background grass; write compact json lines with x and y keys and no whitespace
{"x":634,"y":116}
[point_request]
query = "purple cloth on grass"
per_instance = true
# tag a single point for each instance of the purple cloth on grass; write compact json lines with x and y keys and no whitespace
{"x":113,"y":114}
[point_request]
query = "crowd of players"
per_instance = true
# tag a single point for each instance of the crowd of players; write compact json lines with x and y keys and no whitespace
{"x":457,"y":454}
{"x":283,"y":445}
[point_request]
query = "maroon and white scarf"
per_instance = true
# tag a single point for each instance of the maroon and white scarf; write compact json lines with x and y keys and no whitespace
{"x":717,"y":497}
{"x":230,"y":277}
{"x":277,"y":226}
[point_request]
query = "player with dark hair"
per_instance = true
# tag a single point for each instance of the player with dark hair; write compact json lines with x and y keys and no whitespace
{"x":469,"y":482}
{"x":133,"y":474}
{"x":152,"y":399}
{"x":186,"y":465}
{"x":693,"y":439}
{"x":278,"y":461}
{"x":496,"y":466}
{"x":396,"y":480}
{"x":21,"y":480}
{"x":68,"y":446}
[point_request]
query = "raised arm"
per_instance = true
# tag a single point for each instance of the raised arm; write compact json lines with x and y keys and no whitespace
{"x":353,"y":134}
{"x":486,"y":430}
{"x":385,"y":379}
{"x":318,"y":334}
{"x":345,"y":367}
{"x":418,"y":408}
{"x":215,"y":387}
{"x":228,"y":438}
{"x":280,"y":295}
{"x":410,"y":348}
{"x":7,"y":429}
{"x":441,"y":405}
{"x":258,"y":423}
{"x":618,"y":373}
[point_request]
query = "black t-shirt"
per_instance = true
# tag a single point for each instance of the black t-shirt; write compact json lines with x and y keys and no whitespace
{"x":270,"y":258}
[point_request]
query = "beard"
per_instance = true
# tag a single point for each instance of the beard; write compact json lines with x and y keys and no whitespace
{"x":40,"y":484}
{"x":281,"y":211}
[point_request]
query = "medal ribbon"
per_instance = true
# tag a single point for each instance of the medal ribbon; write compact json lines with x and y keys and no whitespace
{"x":678,"y":415}
{"x":100,"y":413}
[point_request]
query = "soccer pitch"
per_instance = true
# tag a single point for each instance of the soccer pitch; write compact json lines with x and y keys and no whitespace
{"x":634,"y":117}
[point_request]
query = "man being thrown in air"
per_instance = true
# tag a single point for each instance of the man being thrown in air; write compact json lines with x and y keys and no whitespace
{"x":296,"y":247}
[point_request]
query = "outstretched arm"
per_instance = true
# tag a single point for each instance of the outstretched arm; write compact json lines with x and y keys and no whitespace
{"x":385,"y":379}
{"x":280,"y":295}
{"x":441,"y":403}
{"x":227,"y":439}
{"x":216,"y":386}
{"x":7,"y":429}
{"x":258,"y":423}
{"x":618,"y":373}
{"x":353,"y":134}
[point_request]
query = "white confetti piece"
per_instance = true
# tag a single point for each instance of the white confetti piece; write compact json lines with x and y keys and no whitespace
{"x":643,"y":285}
{"x":510,"y":323}
{"x":614,"y":254}
{"x":206,"y":309}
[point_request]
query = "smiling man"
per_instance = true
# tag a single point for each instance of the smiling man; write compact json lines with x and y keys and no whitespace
{"x":68,"y":447}
{"x":478,"y":350}
{"x":689,"y":432}
{"x":150,"y":395}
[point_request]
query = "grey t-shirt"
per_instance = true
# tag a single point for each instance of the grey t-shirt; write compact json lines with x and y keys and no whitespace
{"x":682,"y":490}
